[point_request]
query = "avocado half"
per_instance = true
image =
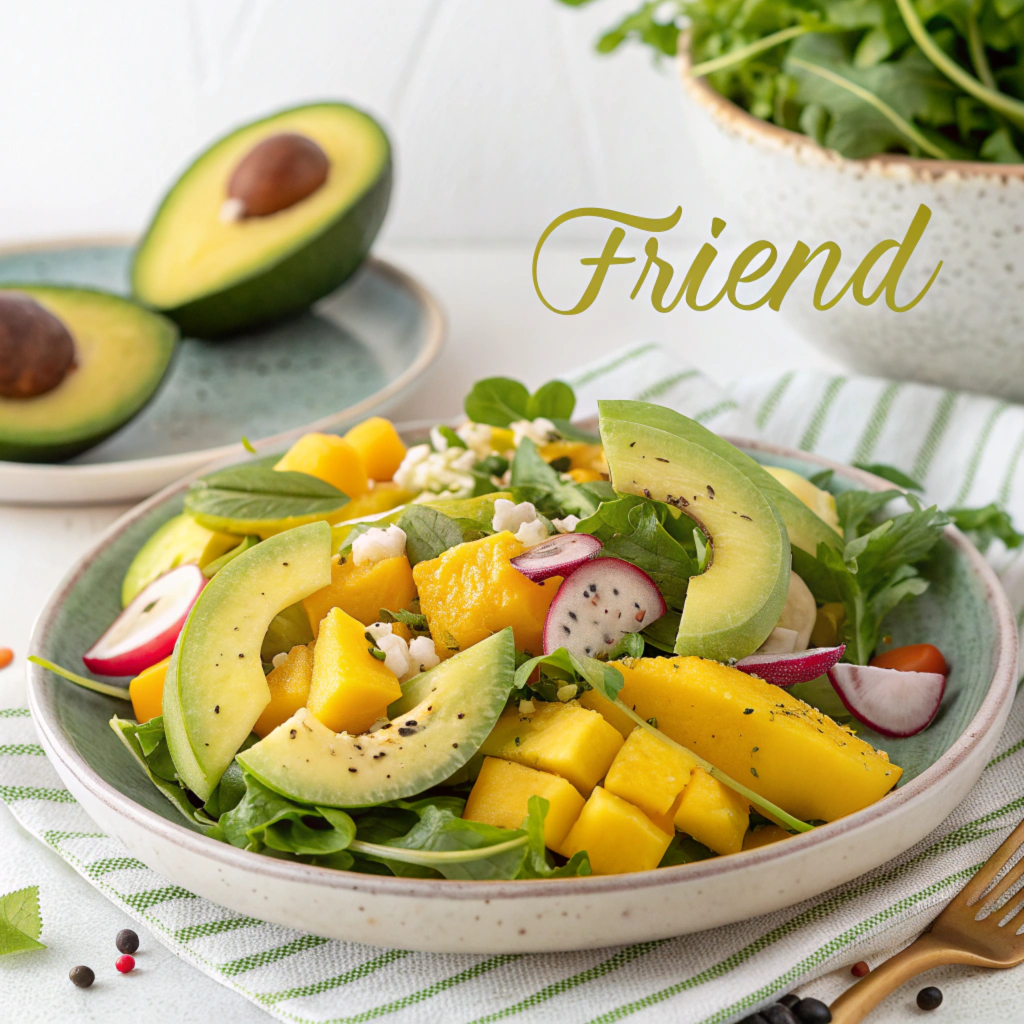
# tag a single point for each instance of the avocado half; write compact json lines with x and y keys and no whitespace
{"x":215,"y":276}
{"x":121,"y":353}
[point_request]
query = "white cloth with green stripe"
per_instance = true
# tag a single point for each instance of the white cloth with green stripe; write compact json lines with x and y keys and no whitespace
{"x":965,"y":449}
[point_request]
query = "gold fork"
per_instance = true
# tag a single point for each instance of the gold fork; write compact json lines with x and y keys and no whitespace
{"x":979,"y":928}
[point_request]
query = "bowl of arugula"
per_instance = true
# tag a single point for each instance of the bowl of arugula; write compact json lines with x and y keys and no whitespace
{"x":833,"y":122}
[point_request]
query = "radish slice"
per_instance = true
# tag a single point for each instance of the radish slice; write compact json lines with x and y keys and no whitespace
{"x":891,"y":702}
{"x":145,"y":632}
{"x":790,"y":669}
{"x":557,"y":556}
{"x":597,"y":604}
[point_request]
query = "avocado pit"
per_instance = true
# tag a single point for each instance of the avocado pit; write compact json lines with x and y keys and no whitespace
{"x":275,"y":174}
{"x":36,"y":350}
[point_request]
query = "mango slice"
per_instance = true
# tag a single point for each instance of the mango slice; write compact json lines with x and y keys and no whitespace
{"x":378,"y":446}
{"x":363,"y":590}
{"x":328,"y":458}
{"x":289,"y":689}
{"x":147,"y":691}
{"x":649,"y":773}
{"x":713,"y":814}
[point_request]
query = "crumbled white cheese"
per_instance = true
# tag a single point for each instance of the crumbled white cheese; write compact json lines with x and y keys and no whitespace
{"x":396,"y":653}
{"x":566,"y":525}
{"x":567,"y":692}
{"x":478,"y":438}
{"x":428,"y":473}
{"x":532,"y":533}
{"x":422,"y":654}
{"x":379,"y":629}
{"x":539,"y":431}
{"x":510,"y":516}
{"x":279,"y":659}
{"x":526,"y":707}
{"x":375,"y":545}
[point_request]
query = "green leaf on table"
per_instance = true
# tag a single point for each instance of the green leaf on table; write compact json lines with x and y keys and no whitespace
{"x":256,"y":491}
{"x":20,"y":921}
{"x":984,"y":525}
{"x":429,"y":532}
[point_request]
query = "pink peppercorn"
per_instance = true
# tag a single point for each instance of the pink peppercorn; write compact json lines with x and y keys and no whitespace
{"x":125,"y":963}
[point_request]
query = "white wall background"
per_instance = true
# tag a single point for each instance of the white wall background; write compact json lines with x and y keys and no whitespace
{"x":501,"y":114}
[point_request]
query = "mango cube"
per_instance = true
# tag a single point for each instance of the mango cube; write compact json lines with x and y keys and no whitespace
{"x":147,"y":692}
{"x":472,"y":591}
{"x":764,"y":836}
{"x":649,"y":772}
{"x":617,"y":836}
{"x":379,"y":447}
{"x":608,"y":711}
{"x":565,"y":739}
{"x":350,"y":688}
{"x":713,"y":814}
{"x":502,"y":792}
{"x":363,"y":590}
{"x":329,"y":458}
{"x":289,"y":689}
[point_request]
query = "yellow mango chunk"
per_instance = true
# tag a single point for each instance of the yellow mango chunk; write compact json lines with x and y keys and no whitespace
{"x":617,"y":836}
{"x":502,"y":792}
{"x":147,"y":692}
{"x":289,"y":689}
{"x":580,"y":454}
{"x":329,"y":458}
{"x":382,"y":497}
{"x":608,"y":711}
{"x":649,"y":773}
{"x":764,"y":836}
{"x":760,"y":735}
{"x":472,"y":591}
{"x":350,"y":688}
{"x":363,"y":590}
{"x":565,"y":739}
{"x":379,"y":447}
{"x":713,"y":814}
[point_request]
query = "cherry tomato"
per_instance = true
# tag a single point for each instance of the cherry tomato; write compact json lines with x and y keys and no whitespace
{"x":913,"y":658}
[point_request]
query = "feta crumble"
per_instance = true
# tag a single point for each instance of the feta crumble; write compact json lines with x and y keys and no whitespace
{"x":379,"y":629}
{"x":510,"y":516}
{"x":404,"y":659}
{"x":375,"y":545}
{"x":567,"y":692}
{"x":428,"y":473}
{"x":539,"y":431}
{"x":478,"y":438}
{"x":279,"y":659}
{"x":566,"y":525}
{"x":396,"y":653}
{"x":422,"y":654}
{"x":531,"y":534}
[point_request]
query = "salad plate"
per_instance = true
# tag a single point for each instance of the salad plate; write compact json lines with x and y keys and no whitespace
{"x":963,"y":612}
{"x":355,"y":351}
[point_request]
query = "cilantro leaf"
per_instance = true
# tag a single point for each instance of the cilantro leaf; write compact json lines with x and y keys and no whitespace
{"x":20,"y":921}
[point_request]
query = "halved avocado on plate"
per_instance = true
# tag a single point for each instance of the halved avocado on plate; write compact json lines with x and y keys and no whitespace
{"x":75,"y":365}
{"x":271,"y":218}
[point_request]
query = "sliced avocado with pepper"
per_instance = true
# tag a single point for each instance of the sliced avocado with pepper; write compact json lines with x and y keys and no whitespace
{"x":75,"y":365}
{"x":269,"y":219}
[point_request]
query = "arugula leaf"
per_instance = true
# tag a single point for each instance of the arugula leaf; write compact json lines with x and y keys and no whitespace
{"x":588,"y":672}
{"x":20,"y":921}
{"x":416,"y":621}
{"x":984,"y":525}
{"x":534,"y":480}
{"x":256,"y":491}
{"x":538,"y":862}
{"x":890,"y":473}
{"x":429,"y":533}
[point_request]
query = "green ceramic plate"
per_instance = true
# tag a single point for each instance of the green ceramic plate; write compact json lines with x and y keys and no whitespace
{"x":964,"y":613}
{"x":355,"y":350}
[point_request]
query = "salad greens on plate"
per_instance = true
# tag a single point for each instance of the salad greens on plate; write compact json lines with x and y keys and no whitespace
{"x":522,"y":650}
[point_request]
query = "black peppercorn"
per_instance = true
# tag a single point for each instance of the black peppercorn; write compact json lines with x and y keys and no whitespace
{"x":812,"y":1011}
{"x":929,"y":998}
{"x":790,"y":1000}
{"x":779,"y":1013}
{"x":81,"y":976}
{"x":127,"y":941}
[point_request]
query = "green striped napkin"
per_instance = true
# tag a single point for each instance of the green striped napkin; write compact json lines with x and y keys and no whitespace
{"x":964,"y":448}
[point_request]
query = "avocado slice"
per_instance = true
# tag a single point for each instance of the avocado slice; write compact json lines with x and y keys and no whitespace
{"x":806,"y":530}
{"x":119,"y":354}
{"x":215,"y":275}
{"x":215,"y":689}
{"x":735,"y":603}
{"x":437,"y":725}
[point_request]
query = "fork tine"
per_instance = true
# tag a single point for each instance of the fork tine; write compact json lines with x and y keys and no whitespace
{"x":988,"y":901}
{"x":976,"y":887}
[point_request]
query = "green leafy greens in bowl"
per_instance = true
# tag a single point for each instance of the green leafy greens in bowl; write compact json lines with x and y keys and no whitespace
{"x":930,"y":78}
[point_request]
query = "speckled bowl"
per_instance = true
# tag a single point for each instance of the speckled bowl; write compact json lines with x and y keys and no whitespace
{"x":967,"y":332}
{"x":964,"y":612}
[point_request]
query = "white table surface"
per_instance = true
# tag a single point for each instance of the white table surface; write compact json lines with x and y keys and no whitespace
{"x":497,"y":325}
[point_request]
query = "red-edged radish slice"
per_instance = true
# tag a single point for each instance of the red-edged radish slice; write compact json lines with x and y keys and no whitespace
{"x":790,"y":669}
{"x":145,"y":632}
{"x":891,"y":702}
{"x":597,"y":604}
{"x":557,"y":556}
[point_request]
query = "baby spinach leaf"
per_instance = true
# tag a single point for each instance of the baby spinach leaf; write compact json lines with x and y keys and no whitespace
{"x":497,"y":401}
{"x":256,"y":491}
{"x":20,"y":921}
{"x":553,"y":401}
{"x":534,"y":480}
{"x":453,"y":439}
{"x":629,"y":645}
{"x":429,"y":532}
{"x":662,"y":632}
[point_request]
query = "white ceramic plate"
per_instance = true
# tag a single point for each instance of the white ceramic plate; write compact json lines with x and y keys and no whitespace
{"x":965,"y":612}
{"x":356,"y":351}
